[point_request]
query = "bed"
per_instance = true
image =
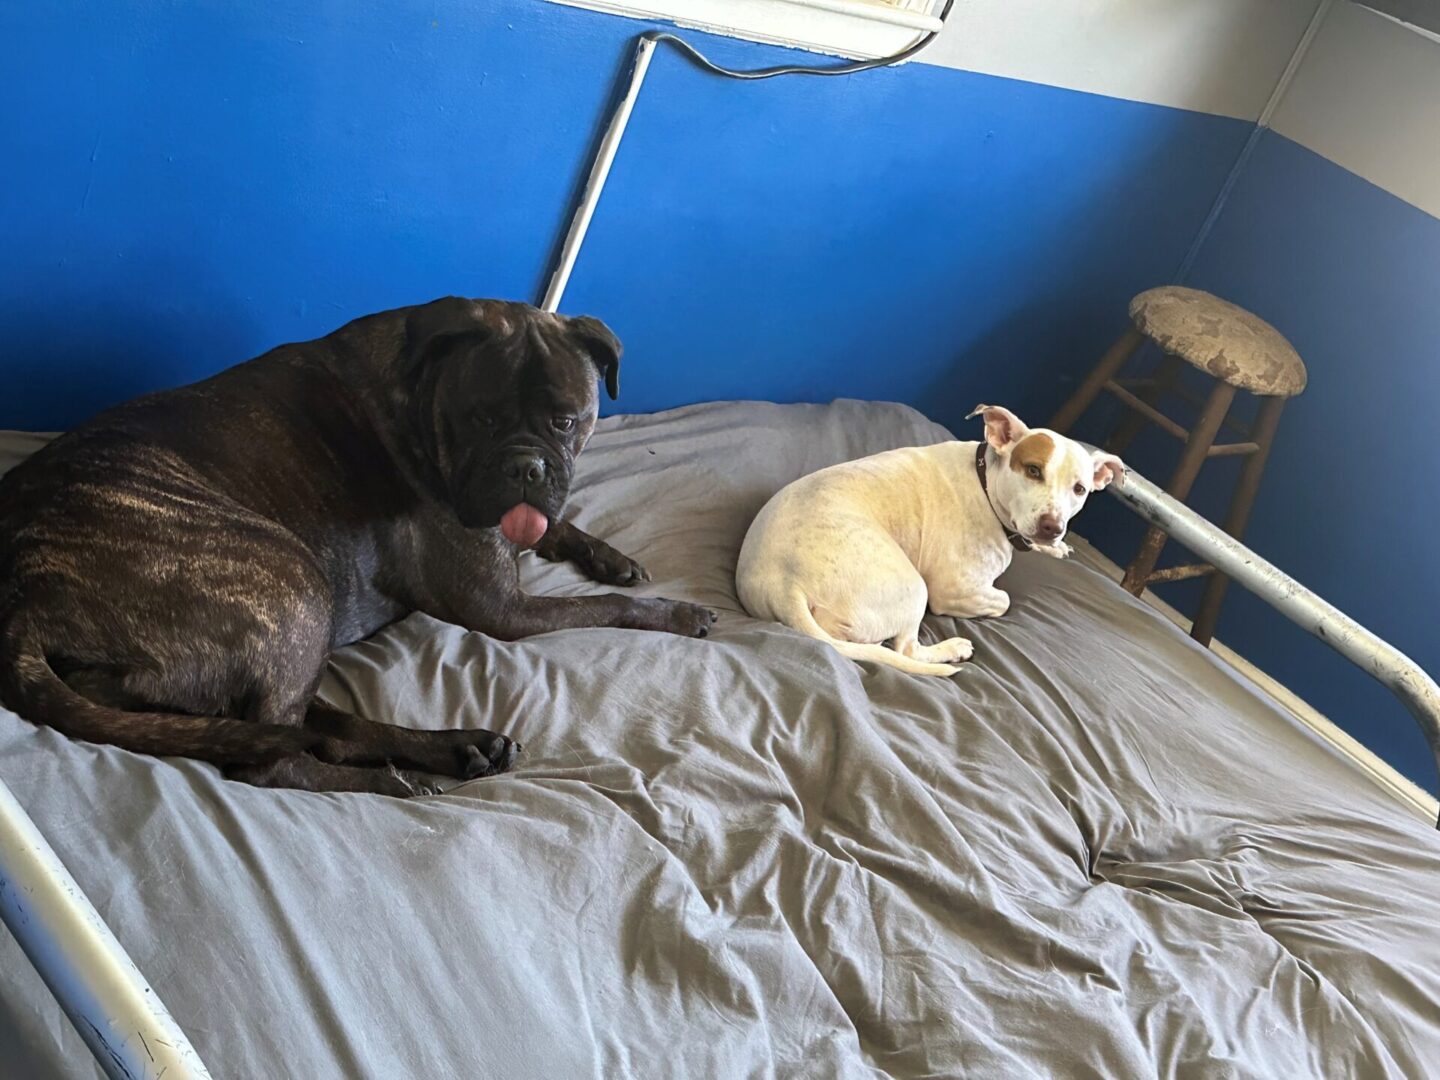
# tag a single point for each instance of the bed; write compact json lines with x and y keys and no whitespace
{"x":1097,"y":851}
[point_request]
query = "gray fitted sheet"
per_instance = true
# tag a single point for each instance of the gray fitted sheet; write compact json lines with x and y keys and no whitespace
{"x":1094,"y":852}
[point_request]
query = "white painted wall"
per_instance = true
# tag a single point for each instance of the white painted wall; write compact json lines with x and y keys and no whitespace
{"x":1367,"y":96}
{"x":1215,"y":56}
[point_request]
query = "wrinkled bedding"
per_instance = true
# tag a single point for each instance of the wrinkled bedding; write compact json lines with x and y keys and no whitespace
{"x":1094,"y":852}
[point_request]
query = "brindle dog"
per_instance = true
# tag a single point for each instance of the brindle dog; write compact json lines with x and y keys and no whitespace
{"x":174,"y":572}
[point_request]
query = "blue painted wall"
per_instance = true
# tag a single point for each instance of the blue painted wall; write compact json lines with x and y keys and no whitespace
{"x":1351,"y":273}
{"x":188,"y":185}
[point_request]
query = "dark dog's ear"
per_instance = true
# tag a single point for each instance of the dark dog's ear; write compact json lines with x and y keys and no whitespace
{"x":447,"y":317}
{"x":604,"y":348}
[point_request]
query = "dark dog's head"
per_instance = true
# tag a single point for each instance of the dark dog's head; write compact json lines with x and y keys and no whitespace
{"x":504,"y":400}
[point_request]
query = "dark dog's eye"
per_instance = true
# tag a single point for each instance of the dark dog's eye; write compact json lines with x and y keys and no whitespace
{"x":563,"y":423}
{"x":1033,"y":471}
{"x":1079,"y":489}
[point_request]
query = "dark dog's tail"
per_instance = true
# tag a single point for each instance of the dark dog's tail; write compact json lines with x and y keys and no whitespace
{"x":29,"y":685}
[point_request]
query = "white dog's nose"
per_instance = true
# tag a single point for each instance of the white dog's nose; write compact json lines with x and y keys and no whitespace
{"x":1048,"y":528}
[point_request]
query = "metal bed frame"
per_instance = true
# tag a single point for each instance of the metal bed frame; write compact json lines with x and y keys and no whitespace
{"x":126,"y":1025}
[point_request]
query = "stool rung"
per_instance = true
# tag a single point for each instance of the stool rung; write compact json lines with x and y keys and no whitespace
{"x":1160,"y":420}
{"x":1150,"y":413}
{"x":1180,"y":573}
{"x":1232,"y":449}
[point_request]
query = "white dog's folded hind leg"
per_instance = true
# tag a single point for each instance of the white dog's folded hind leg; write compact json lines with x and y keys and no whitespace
{"x":796,"y":613}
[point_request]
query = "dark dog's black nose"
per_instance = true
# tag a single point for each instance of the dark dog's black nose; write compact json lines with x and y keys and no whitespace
{"x":525,"y":467}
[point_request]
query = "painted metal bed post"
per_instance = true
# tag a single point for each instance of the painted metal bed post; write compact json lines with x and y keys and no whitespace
{"x":119,"y":1016}
{"x":1405,"y":678}
{"x":599,"y":172}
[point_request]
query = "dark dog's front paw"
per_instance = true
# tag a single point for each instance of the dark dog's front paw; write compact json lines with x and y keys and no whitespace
{"x":688,"y":620}
{"x":610,"y":567}
{"x":488,"y":755}
{"x":465,"y":754}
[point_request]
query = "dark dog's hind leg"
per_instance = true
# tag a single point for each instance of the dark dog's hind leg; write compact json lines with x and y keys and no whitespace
{"x":464,"y":754}
{"x":305,"y":773}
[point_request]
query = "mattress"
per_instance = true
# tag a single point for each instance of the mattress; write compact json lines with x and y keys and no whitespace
{"x":1096,"y":851}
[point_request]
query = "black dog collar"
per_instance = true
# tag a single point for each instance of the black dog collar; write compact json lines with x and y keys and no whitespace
{"x":1018,"y":542}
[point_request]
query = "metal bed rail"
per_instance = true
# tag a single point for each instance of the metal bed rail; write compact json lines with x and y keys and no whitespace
{"x":1376,"y":657}
{"x":121,"y":1019}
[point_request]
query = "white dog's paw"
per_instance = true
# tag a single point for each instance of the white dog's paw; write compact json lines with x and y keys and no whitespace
{"x":1057,"y":550}
{"x":955,"y":650}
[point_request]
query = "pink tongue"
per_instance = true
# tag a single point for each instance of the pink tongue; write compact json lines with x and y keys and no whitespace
{"x":524,"y":525}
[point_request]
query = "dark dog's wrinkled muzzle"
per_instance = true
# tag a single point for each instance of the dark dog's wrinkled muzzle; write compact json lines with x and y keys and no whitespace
{"x":528,"y":498}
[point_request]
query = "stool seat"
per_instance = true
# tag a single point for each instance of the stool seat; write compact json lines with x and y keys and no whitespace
{"x":1220,"y":339}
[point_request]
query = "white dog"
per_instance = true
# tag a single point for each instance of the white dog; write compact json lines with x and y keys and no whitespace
{"x":853,"y":554}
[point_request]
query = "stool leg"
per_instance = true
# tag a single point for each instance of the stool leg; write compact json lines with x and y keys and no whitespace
{"x":1202,"y":436}
{"x":1132,"y":423}
{"x":1090,"y":388}
{"x":1238,"y":516}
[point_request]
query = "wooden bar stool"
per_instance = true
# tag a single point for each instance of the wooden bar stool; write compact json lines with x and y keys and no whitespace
{"x":1241,"y":352}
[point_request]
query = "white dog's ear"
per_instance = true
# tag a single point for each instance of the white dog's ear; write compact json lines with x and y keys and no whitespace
{"x":1003,"y":428}
{"x":1108,"y":468}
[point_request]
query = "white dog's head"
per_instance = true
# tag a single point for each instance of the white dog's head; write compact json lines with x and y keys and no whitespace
{"x":1041,"y":479}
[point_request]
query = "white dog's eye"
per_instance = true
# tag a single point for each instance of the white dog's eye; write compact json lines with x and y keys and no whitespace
{"x":1033,"y":471}
{"x":1079,"y":489}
